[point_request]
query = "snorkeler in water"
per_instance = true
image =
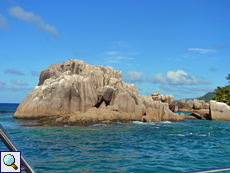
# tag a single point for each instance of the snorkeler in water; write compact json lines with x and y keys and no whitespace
{"x":204,"y":134}
{"x":189,"y":133}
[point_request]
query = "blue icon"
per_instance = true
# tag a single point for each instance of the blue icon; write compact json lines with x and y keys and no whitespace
{"x":9,"y":160}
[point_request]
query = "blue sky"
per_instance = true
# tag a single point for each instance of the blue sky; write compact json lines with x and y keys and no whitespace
{"x":178,"y":47}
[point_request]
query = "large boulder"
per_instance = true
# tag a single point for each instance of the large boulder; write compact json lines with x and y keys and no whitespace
{"x":168,"y":99}
{"x":189,"y":104}
{"x":158,"y":111}
{"x":219,"y":111}
{"x":161,"y":112}
{"x":206,"y":105}
{"x":181,"y":103}
{"x":197,"y":104}
{"x":192,"y":105}
{"x":165,"y":99}
{"x":127,"y":101}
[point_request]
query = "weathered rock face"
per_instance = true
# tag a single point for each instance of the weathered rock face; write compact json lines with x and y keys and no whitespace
{"x":189,"y":104}
{"x":192,"y":105}
{"x":197,"y":104}
{"x":158,"y":111}
{"x":170,"y":100}
{"x":165,"y":99}
{"x":161,"y":112}
{"x":127,"y":101}
{"x":219,"y":111}
{"x":61,"y":96}
{"x":78,"y":93}
{"x":181,"y":103}
{"x":100,"y":76}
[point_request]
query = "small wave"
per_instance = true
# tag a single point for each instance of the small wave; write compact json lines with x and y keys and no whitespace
{"x":139,"y":122}
{"x":166,"y":122}
{"x":144,"y":123}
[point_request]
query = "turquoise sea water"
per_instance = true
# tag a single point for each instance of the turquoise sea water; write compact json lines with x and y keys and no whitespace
{"x":134,"y":147}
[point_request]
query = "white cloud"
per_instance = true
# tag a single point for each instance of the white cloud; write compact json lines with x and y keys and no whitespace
{"x":201,"y":50}
{"x":18,"y":82}
{"x":111,"y":53}
{"x":30,"y":17}
{"x":157,"y":78}
{"x":118,"y":59}
{"x":205,"y":81}
{"x":180,"y":78}
{"x":122,"y":57}
{"x":176,"y":78}
{"x":112,"y":61}
{"x":3,"y":22}
{"x":133,"y":76}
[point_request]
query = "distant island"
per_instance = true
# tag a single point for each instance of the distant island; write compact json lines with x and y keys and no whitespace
{"x":207,"y":97}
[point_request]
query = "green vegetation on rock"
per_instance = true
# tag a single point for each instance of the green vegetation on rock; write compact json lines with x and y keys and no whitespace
{"x":222,"y":94}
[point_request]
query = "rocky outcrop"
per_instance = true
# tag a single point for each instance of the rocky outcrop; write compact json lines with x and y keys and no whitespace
{"x":192,"y":105}
{"x":161,"y":112}
{"x":76,"y":93}
{"x":158,"y":111}
{"x":165,"y":99}
{"x":181,"y":103}
{"x":127,"y":101}
{"x":189,"y":104}
{"x":197,"y":104}
{"x":219,"y":111}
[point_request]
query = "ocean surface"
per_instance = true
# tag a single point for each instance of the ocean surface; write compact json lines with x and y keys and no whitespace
{"x":133,"y":147}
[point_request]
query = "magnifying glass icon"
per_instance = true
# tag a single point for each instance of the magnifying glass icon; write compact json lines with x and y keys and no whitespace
{"x":9,"y":160}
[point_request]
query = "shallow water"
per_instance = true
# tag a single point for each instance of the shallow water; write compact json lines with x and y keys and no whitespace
{"x":133,"y":147}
